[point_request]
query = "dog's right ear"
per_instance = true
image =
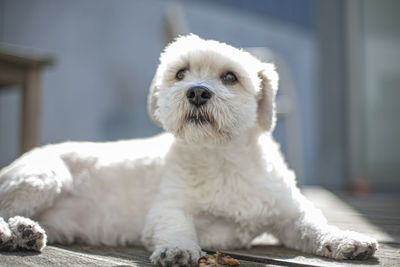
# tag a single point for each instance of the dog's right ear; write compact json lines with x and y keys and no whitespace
{"x":266,"y":97}
{"x":152,"y":99}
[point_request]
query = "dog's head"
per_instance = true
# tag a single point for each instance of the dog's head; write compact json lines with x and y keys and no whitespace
{"x":206,"y":90}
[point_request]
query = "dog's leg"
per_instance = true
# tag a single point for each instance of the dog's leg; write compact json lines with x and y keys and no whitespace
{"x":31,"y":183}
{"x":171,"y":235}
{"x":27,"y":187}
{"x":302,"y":226}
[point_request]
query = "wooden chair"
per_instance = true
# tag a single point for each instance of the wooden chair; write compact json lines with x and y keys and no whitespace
{"x":23,"y":69}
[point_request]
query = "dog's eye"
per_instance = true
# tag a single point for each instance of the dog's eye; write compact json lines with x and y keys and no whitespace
{"x":180,"y":74}
{"x":229,"y":78}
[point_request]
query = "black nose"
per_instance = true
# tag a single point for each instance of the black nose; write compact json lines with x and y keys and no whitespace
{"x":198,"y":95}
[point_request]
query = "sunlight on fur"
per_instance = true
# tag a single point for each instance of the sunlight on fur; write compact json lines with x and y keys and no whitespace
{"x":215,"y":179}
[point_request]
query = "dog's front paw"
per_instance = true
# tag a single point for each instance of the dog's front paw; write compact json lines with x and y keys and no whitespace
{"x":348,"y":245}
{"x":176,"y":256}
{"x":29,"y":235}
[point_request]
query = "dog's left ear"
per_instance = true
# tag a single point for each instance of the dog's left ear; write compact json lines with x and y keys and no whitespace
{"x":152,"y":100}
{"x":266,"y":97}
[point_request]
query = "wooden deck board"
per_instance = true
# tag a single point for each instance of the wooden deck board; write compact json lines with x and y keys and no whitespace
{"x":339,"y":212}
{"x":387,"y":255}
{"x":377,"y":216}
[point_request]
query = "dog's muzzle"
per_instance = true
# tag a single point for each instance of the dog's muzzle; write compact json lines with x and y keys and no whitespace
{"x":198,"y":95}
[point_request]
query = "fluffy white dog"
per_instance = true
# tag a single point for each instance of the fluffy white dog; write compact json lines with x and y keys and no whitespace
{"x":216,"y":179}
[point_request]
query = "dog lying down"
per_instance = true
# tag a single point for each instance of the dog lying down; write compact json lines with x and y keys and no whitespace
{"x":215,"y":179}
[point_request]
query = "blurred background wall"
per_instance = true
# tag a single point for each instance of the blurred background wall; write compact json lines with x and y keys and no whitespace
{"x":107,"y":51}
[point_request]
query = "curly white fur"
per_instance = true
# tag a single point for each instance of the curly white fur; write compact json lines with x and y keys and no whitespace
{"x":215,"y":183}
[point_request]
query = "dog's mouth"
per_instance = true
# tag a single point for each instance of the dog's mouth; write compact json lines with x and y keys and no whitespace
{"x":202,"y":125}
{"x":199,"y":117}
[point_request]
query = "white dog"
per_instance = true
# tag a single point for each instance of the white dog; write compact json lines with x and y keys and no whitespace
{"x":216,"y":179}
